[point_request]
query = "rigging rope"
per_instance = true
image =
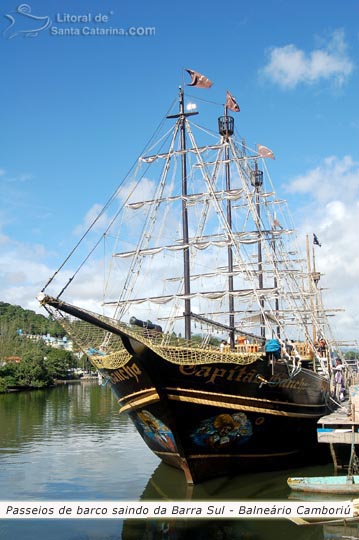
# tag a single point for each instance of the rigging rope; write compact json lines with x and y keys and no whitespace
{"x":90,"y":227}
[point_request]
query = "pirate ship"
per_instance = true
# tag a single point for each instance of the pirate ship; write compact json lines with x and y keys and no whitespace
{"x":210,"y":343}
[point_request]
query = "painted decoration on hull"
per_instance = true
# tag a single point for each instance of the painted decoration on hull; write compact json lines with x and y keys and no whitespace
{"x":154,"y":432}
{"x":223,"y":431}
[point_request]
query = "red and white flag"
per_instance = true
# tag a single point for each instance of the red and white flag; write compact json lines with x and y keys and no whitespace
{"x":265,"y":152}
{"x":198,"y":80}
{"x":231,"y":103}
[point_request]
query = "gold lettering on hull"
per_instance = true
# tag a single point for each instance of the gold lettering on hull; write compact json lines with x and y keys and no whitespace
{"x":240,"y":374}
{"x":125,"y":373}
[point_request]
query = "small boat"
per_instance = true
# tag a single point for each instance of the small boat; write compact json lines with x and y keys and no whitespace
{"x":229,"y":376}
{"x":325,"y":484}
{"x":338,"y":531}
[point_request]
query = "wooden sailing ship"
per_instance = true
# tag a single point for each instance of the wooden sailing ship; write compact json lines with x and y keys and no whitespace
{"x":227,"y":376}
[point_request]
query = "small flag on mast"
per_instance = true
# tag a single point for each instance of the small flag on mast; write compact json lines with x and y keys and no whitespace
{"x":316,"y":241}
{"x":231,"y":103}
{"x":265,"y":152}
{"x":198,"y":80}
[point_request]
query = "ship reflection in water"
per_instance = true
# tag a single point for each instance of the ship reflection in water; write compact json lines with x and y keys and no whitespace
{"x":167,"y":484}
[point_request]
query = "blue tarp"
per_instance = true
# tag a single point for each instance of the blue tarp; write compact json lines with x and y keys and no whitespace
{"x":272,"y":345}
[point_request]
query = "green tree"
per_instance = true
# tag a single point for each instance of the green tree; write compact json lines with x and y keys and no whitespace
{"x":58,"y":362}
{"x":8,"y":376}
{"x":21,"y":332}
{"x":33,"y":372}
{"x":351,"y":355}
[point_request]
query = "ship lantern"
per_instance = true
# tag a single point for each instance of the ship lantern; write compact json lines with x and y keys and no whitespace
{"x":226,"y":126}
{"x":257,"y":178}
{"x":316,"y":277}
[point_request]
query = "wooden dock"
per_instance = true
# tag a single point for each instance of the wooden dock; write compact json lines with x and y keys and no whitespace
{"x":341,"y":432}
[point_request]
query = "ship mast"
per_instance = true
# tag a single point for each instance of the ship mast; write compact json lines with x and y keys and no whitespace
{"x":314,"y":278}
{"x":186,"y":259}
{"x":257,"y":182}
{"x":226,"y":129}
{"x":185,"y":234}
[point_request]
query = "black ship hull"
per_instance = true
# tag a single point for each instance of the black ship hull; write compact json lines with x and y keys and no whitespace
{"x":220,"y":419}
{"x":207,"y":412}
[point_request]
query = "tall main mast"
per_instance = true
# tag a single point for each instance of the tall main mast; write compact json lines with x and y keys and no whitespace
{"x":185,"y":234}
{"x":186,"y":259}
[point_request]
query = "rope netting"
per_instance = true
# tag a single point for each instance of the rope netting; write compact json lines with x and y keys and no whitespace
{"x":106,"y":350}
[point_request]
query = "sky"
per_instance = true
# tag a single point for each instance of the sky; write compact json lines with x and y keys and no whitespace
{"x":78,"y":104}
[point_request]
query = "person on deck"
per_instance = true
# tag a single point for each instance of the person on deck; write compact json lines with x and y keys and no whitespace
{"x":339,"y":380}
{"x":288,"y":347}
{"x":223,"y":345}
{"x":322,"y":347}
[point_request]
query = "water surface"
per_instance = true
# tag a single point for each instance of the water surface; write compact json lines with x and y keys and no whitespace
{"x":69,"y":443}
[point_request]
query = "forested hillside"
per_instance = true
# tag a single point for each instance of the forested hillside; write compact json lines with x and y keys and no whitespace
{"x":13,"y":318}
{"x":28,"y":363}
